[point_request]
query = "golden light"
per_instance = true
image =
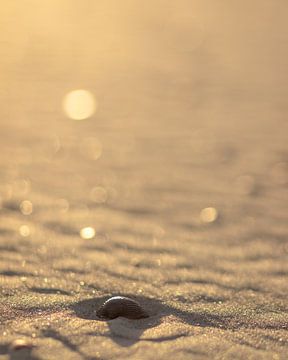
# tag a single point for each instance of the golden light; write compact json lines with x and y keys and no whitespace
{"x":87,"y":232}
{"x":79,"y":104}
{"x":208,"y":215}
{"x":26,"y":207}
{"x":24,"y":230}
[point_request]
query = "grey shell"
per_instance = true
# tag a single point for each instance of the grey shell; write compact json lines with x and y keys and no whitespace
{"x":121,"y":306}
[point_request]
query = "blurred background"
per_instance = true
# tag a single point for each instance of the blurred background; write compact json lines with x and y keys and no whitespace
{"x":142,"y":121}
{"x":144,"y":152}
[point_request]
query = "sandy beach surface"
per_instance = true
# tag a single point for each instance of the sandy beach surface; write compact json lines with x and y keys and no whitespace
{"x":173,"y":191}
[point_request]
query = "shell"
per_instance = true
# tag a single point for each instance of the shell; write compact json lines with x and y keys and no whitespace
{"x":20,"y":344}
{"x":121,"y":306}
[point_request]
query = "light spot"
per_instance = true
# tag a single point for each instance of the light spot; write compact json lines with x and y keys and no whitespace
{"x":99,"y":194}
{"x":24,"y":230}
{"x":79,"y":104}
{"x":87,"y":233}
{"x":208,"y":215}
{"x":26,"y":207}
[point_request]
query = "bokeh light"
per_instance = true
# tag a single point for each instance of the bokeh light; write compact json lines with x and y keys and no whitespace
{"x":87,"y":232}
{"x":209,"y":215}
{"x":26,"y":207}
{"x":24,"y":230}
{"x":79,"y":104}
{"x":99,"y":194}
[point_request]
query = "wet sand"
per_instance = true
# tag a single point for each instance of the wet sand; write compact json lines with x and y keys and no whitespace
{"x":182,"y":172}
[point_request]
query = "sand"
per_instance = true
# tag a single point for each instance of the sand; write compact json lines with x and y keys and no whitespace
{"x":173,"y":193}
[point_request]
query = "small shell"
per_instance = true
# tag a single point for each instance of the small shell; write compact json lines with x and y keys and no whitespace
{"x":121,"y":306}
{"x":20,"y":344}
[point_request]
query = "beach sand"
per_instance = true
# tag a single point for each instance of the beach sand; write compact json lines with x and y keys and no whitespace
{"x":174,"y":192}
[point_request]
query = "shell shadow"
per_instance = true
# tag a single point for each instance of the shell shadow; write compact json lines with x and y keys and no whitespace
{"x":125,"y":334}
{"x":86,"y":309}
{"x":121,"y":329}
{"x":49,"y":291}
